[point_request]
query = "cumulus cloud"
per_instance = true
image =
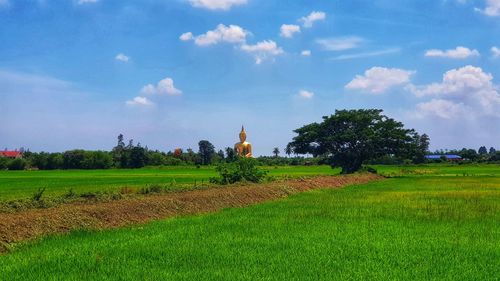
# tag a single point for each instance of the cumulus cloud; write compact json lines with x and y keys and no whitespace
{"x":468,"y":89}
{"x":287,"y":30}
{"x":313,"y":17}
{"x":340,"y":43}
{"x":165,"y":86}
{"x":492,"y":8}
{"x":262,"y":50}
{"x":440,"y":108}
{"x":306,"y":94}
{"x":217,"y":4}
{"x":306,"y":53}
{"x":457,"y":53}
{"x":379,"y":79}
{"x":230,"y":34}
{"x":495,"y":51}
{"x":122,"y":57}
{"x":186,"y":36}
{"x":139,"y":101}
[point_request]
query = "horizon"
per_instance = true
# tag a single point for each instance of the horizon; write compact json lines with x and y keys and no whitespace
{"x":76,"y":74}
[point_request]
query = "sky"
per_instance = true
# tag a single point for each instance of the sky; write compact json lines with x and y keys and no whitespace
{"x":168,"y":73}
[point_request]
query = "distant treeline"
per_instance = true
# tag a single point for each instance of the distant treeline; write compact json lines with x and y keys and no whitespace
{"x":468,"y":155}
{"x":130,"y":156}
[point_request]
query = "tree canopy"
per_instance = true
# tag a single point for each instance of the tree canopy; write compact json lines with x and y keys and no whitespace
{"x":350,"y":137}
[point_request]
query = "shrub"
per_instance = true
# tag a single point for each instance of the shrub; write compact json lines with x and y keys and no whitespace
{"x":243,"y":169}
{"x":17,"y":164}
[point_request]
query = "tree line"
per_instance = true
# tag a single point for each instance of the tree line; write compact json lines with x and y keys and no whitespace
{"x":131,"y":156}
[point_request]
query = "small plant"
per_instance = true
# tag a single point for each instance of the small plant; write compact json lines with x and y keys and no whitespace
{"x":38,"y":195}
{"x":70,"y":194}
{"x":151,"y":189}
{"x":89,"y":195}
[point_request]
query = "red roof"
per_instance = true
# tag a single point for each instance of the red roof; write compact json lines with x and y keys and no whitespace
{"x":12,"y":154}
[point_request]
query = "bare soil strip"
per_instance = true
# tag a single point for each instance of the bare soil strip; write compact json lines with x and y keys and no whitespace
{"x":34,"y":223}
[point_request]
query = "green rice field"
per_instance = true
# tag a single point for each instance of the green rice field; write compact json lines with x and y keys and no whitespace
{"x":423,"y":223}
{"x":23,"y":184}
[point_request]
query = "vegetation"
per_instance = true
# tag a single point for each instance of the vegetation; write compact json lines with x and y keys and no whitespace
{"x":243,"y":169}
{"x":350,"y":137}
{"x":23,"y":184}
{"x":430,"y":222}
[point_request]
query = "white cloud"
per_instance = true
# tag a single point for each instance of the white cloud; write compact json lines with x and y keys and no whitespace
{"x":368,"y":54}
{"x":186,"y":36}
{"x":306,"y":53}
{"x":379,"y":79}
{"x":495,"y":51}
{"x":122,"y":57}
{"x":287,"y":30}
{"x":217,"y":4}
{"x":457,"y":53}
{"x":165,"y":86}
{"x":262,"y":50}
{"x":139,"y":101}
{"x":222,"y":33}
{"x":492,"y":8}
{"x":340,"y":43}
{"x":306,"y":94}
{"x":4,"y":3}
{"x":312,"y":17}
{"x":82,"y":2}
{"x":469,"y":86}
{"x":441,"y":108}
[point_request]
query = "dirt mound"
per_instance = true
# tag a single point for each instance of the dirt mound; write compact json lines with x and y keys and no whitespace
{"x":16,"y":227}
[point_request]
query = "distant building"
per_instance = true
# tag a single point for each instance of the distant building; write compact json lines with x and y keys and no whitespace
{"x":11,"y":154}
{"x":449,"y":157}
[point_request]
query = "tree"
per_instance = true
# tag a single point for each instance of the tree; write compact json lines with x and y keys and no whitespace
{"x":482,"y":150}
{"x":469,"y":154}
{"x":492,"y":150}
{"x":421,"y":148}
{"x":288,"y":150}
{"x":220,"y":155}
{"x":350,"y":137}
{"x":73,"y":159}
{"x":276,"y":152}
{"x":138,"y":157}
{"x":230,"y":155}
{"x":206,"y":152}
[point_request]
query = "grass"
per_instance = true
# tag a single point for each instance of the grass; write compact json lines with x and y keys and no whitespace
{"x":23,"y":184}
{"x":441,"y":225}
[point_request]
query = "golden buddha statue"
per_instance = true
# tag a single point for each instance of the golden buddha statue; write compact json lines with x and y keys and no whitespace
{"x":243,"y":148}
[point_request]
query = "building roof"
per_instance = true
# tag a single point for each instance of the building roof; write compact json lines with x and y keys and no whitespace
{"x":13,"y":154}
{"x":448,"y":156}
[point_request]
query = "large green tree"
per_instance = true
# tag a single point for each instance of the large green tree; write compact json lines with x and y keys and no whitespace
{"x":206,"y":152}
{"x":350,"y":137}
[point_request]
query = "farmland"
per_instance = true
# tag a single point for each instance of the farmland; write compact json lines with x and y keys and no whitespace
{"x":429,"y":222}
{"x":22,"y":184}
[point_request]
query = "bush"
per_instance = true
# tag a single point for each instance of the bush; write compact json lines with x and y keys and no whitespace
{"x":17,"y":164}
{"x":243,"y":169}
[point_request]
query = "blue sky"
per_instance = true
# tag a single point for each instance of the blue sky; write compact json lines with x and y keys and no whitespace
{"x":75,"y":74}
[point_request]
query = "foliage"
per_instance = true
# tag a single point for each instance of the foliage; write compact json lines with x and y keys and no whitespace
{"x":243,"y":169}
{"x":16,"y":164}
{"x":276,"y":152}
{"x":350,"y":137}
{"x":230,"y":155}
{"x":206,"y":152}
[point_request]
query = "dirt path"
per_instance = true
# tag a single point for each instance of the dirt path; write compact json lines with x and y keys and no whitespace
{"x":30,"y":224}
